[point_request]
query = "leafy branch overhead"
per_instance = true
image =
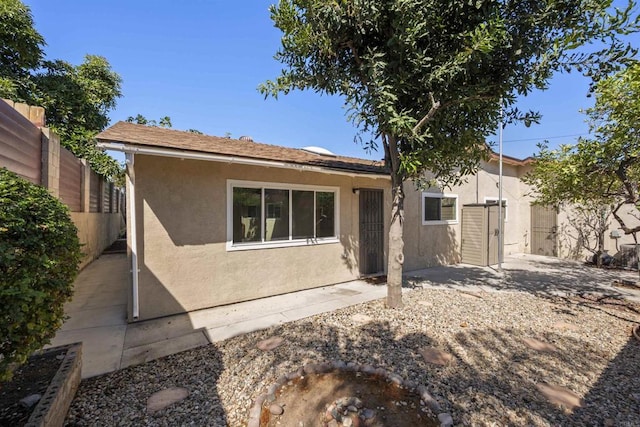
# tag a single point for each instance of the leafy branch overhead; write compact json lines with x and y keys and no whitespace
{"x":432,"y":73}
{"x":77,"y":99}
{"x":604,"y":169}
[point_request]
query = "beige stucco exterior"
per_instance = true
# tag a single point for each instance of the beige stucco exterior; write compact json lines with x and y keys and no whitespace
{"x":570,"y":247}
{"x":428,"y":245}
{"x":184,"y":262}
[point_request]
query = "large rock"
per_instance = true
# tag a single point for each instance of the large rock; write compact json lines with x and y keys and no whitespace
{"x":270,"y":343}
{"x":538,"y":345}
{"x":435,"y":356}
{"x":560,"y":396}
{"x":163,"y":398}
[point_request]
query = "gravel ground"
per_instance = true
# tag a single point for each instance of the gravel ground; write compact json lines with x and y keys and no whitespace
{"x":494,"y":379}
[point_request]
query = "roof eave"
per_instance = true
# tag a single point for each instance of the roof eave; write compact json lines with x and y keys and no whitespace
{"x":127,"y":147}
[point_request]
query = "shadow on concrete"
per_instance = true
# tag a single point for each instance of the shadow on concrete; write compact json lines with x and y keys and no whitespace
{"x":536,"y":275}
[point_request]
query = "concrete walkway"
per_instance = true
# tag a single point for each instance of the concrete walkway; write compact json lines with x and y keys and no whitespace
{"x":97,"y":317}
{"x":98,"y":309}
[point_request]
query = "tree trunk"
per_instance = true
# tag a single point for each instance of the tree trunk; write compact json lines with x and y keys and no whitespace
{"x":600,"y":252}
{"x":635,"y":241}
{"x":396,"y":242}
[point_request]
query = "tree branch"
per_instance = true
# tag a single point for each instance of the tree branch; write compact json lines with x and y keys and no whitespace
{"x":621,"y":173}
{"x":621,"y":222}
{"x":435,"y":105}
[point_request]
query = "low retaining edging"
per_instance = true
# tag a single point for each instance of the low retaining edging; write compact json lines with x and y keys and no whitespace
{"x":52,"y":408}
{"x":321,"y":368}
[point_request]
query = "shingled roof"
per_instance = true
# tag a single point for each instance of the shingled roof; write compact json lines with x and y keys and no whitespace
{"x":156,"y":137}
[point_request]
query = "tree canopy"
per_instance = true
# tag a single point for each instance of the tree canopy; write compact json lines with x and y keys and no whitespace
{"x":20,"y":47}
{"x":77,"y":99}
{"x":429,"y":78}
{"x":139,"y":119}
{"x":603,"y":169}
{"x":164,"y":122}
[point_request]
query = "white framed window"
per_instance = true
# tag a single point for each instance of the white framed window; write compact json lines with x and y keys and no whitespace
{"x":505,"y":203}
{"x":268,"y":214}
{"x":439,"y":208}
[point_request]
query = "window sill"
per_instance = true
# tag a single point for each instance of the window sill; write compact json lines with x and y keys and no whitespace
{"x":439,"y":222}
{"x":231,"y":247}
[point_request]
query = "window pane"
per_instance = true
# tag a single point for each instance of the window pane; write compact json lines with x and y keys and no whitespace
{"x":276,"y":222}
{"x":325,"y":214}
{"x":247,"y":208}
{"x":302,"y":214}
{"x":448,"y":209}
{"x":431,"y":209}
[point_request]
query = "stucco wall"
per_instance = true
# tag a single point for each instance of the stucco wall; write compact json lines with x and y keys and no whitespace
{"x":182,"y":234}
{"x":437,"y":244}
{"x":96,"y":232}
{"x":568,"y":245}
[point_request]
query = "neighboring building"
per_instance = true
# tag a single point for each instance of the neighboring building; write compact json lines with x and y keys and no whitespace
{"x":434,"y":226}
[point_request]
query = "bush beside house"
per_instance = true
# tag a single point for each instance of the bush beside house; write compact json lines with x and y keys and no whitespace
{"x":39,"y":257}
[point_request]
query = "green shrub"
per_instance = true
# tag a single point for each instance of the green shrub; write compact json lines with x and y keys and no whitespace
{"x":39,"y":257}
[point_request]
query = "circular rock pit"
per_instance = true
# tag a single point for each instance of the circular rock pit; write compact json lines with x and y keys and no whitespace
{"x":339,"y":394}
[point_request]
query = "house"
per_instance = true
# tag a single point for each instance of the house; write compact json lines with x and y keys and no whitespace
{"x":213,"y":221}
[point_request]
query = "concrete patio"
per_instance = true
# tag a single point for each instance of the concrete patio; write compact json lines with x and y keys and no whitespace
{"x":97,"y":313}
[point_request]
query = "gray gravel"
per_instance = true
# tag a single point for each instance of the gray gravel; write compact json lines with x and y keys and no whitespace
{"x":492,"y":379}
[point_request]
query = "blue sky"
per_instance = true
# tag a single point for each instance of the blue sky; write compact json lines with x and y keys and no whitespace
{"x":200,"y":63}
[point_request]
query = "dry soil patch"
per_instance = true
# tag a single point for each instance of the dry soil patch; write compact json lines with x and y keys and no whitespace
{"x":305,"y":401}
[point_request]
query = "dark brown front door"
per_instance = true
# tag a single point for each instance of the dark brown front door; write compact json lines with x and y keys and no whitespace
{"x":371,"y":232}
{"x":544,"y":230}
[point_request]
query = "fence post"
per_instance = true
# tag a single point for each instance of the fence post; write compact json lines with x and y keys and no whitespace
{"x":36,"y":116}
{"x":86,"y":186}
{"x":51,"y":161}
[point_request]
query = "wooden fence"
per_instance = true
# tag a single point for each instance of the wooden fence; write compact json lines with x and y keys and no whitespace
{"x":71,"y":174}
{"x":35,"y":154}
{"x":20,"y":144}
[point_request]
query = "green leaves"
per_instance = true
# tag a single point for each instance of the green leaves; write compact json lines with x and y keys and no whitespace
{"x":39,"y":257}
{"x":164,"y":122}
{"x":605,"y":169}
{"x":77,"y":99}
{"x":20,"y":47}
{"x":393,"y":61}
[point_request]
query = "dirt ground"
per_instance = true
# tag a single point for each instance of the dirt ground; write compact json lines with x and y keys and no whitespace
{"x":31,"y":378}
{"x":306,"y":399}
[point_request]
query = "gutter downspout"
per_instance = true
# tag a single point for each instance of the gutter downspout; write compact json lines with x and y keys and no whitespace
{"x":135,"y":304}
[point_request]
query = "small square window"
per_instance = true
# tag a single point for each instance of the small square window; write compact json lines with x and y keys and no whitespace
{"x":439,"y":208}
